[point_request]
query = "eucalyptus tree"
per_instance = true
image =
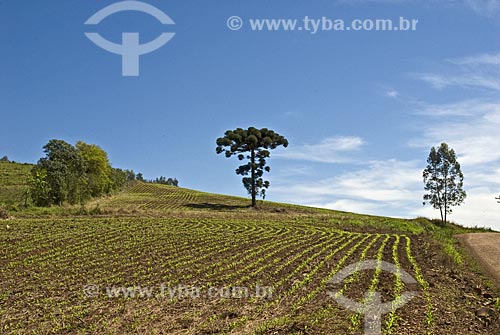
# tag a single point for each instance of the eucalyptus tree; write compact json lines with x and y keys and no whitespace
{"x":444,"y":180}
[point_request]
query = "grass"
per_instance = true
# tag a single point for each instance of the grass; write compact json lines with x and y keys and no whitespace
{"x":143,"y":199}
{"x":13,"y":182}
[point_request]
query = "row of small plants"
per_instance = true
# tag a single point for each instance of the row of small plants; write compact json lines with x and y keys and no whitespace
{"x":53,"y":259}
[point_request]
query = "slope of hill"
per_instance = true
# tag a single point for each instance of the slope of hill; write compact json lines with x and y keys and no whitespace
{"x":144,"y":199}
{"x":13,"y":182}
{"x":166,"y":260}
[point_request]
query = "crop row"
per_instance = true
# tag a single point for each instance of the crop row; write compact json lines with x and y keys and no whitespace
{"x":52,"y":260}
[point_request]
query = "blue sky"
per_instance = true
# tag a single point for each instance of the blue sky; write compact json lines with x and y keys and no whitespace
{"x":361,"y":109}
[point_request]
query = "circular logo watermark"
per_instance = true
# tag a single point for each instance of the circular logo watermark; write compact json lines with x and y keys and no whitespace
{"x":130,"y":49}
{"x":372,"y":306}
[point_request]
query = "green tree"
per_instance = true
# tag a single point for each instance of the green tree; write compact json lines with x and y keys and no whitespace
{"x":97,"y":168}
{"x":252,"y":144}
{"x":173,"y":182}
{"x":164,"y":181}
{"x":65,"y":168}
{"x":118,"y":177}
{"x":39,"y":189}
{"x":443,"y":180}
{"x":130,"y":175}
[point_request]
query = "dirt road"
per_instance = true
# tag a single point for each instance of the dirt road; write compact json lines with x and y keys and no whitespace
{"x":486,"y":248}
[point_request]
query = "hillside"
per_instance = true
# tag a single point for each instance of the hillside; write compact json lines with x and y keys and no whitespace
{"x":13,"y":182}
{"x":155,"y":259}
{"x":144,"y":199}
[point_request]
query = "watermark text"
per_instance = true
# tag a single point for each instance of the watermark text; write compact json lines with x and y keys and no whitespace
{"x":323,"y":24}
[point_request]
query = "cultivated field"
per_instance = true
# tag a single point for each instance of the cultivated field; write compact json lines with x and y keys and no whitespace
{"x":13,"y":182}
{"x":163,"y":260}
{"x":47,"y":263}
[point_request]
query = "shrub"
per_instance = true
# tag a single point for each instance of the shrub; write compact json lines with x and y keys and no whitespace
{"x":4,"y":215}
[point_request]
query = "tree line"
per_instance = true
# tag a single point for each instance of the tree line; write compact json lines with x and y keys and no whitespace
{"x":75,"y":174}
{"x":164,"y":181}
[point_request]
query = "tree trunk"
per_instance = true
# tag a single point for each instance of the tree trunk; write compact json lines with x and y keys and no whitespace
{"x":445,"y":196}
{"x":254,"y":202}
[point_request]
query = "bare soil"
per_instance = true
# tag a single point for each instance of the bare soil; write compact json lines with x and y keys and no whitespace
{"x":486,"y":248}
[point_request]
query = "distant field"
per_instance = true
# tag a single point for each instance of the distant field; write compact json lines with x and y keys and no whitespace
{"x":13,"y":181}
{"x":146,"y":197}
{"x":153,"y":199}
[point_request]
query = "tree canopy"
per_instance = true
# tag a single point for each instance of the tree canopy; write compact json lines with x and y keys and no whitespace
{"x":443,"y":180}
{"x":164,"y":181}
{"x":73,"y":174}
{"x":97,"y":168}
{"x":253,"y":145}
{"x":63,"y":172}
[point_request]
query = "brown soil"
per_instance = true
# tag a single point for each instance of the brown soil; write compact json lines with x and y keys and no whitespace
{"x":486,"y":248}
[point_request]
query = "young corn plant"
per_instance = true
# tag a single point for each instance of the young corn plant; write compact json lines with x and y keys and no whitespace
{"x":398,"y":287}
{"x":423,"y":283}
{"x":328,"y":311}
{"x":356,"y":318}
{"x":325,"y":280}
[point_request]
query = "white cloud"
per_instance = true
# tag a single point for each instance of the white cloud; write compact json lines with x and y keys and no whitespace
{"x":477,"y":71}
{"x":483,"y":59}
{"x":479,"y":209}
{"x":390,"y":180}
{"x":330,"y":150}
{"x":474,"y":137}
{"x":482,"y":7}
{"x":294,"y":171}
{"x":472,"y":107}
{"x":394,"y":187}
{"x":388,"y":183}
{"x":471,"y":127}
{"x":466,"y":80}
{"x":353,"y":206}
{"x":292,"y":115}
{"x":487,"y":175}
{"x":485,"y":7}
{"x":392,"y":94}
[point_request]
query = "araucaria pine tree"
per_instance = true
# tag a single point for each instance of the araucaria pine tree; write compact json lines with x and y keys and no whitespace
{"x":252,"y":144}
